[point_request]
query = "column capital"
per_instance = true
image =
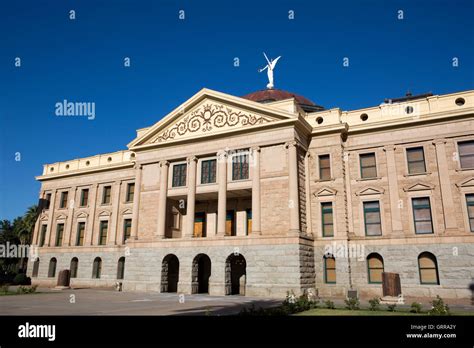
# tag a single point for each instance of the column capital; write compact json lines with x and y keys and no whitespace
{"x":389,"y":147}
{"x":256,"y":148}
{"x":191,"y":159}
{"x":138,"y":166}
{"x":222,"y":154}
{"x":291,"y":143}
{"x":164,"y":163}
{"x":439,"y":141}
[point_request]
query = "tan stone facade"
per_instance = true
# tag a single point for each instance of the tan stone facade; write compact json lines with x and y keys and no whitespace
{"x":236,"y":190}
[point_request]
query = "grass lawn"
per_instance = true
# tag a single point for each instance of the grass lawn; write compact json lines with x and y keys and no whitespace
{"x":366,"y":312}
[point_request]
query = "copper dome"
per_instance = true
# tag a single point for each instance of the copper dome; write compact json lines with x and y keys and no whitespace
{"x":271,"y":95}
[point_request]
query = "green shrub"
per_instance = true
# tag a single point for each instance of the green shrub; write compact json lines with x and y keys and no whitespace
{"x":415,"y":307}
{"x":391,"y":307}
{"x":21,"y":279}
{"x":352,"y":304}
{"x":291,"y":305}
{"x":439,"y":308}
{"x":374,"y":304}
{"x":4,"y":288}
{"x":26,"y":289}
{"x":329,"y":304}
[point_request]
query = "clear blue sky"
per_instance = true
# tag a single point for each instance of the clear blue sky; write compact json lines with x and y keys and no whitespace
{"x":171,"y":59}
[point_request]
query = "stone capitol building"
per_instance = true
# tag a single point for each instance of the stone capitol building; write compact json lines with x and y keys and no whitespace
{"x":268,"y":193}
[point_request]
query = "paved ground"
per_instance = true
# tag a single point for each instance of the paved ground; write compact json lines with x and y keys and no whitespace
{"x":108,"y":302}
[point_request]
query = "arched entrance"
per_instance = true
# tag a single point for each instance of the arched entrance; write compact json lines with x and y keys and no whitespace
{"x":200,"y":274}
{"x":169,"y":273}
{"x":235,"y":275}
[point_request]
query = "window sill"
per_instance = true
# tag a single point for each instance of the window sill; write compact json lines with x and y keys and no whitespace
{"x":464,"y":169}
{"x":407,"y":175}
{"x":368,"y":179}
{"x":324,"y":180}
{"x":240,"y":180}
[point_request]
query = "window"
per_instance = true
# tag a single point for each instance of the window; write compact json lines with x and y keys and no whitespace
{"x":240,"y":166}
{"x":52,"y":268}
{"x":422,"y":215}
{"x":327,"y":219}
{"x":368,"y":167}
{"x":81,"y":228}
{"x":43,"y":235}
{"x":208,"y":171}
{"x":106,"y":194}
{"x":84,"y":197}
{"x":103,"y":227}
{"x":428,"y":268}
{"x":127,"y":229}
{"x":466,"y":154}
{"x":179,"y":175}
{"x":48,"y":201}
{"x":324,"y":167}
{"x":73,"y":267}
{"x":130,"y":192}
{"x":416,"y":160}
{"x":374,"y":268}
{"x":373,"y":223}
{"x":96,"y":268}
{"x":249,"y":221}
{"x":63,"y":202}
{"x":35,"y":268}
{"x":230,"y":223}
{"x":59,"y":234}
{"x":121,"y":268}
{"x":470,"y":210}
{"x":329,"y":269}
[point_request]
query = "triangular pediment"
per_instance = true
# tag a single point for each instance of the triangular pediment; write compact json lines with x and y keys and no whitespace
{"x":82,"y":214}
{"x":105,"y":213}
{"x":209,"y":113}
{"x":325,"y":191}
{"x":127,"y":211}
{"x":469,"y":182}
{"x":370,"y":190}
{"x":61,"y":217}
{"x":44,"y":217}
{"x":419,"y":186}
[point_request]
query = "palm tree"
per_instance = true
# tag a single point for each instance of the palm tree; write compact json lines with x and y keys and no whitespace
{"x":26,"y":229}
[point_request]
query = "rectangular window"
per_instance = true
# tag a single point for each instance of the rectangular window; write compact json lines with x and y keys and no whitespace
{"x":81,"y":228}
{"x":368,"y":167}
{"x":324,"y":167}
{"x":106,"y":192}
{"x":63,"y":202}
{"x":416,"y":160}
{"x":327,"y":219}
{"x":48,"y":201}
{"x":130,"y":192}
{"x":240,"y":166}
{"x":230,"y":223}
{"x":466,"y":154}
{"x":208,"y":171}
{"x":470,"y":210}
{"x":84,"y":197}
{"x":373,"y":223}
{"x":329,"y":270}
{"x":422,"y":215}
{"x":103,"y":228}
{"x":127,"y":229}
{"x":59,"y":234}
{"x":179,"y":175}
{"x":43,"y":235}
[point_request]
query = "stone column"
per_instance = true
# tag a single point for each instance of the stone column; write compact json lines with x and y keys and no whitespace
{"x":136,"y":201}
{"x":222,"y":193}
{"x":70,"y":218}
{"x":309,"y":220}
{"x":395,"y":206}
{"x":164,"y":165}
{"x":92,"y":202}
{"x":36,"y":231}
{"x":113,"y":232}
{"x":191,"y":200}
{"x":50,"y":218}
{"x":256,"y":207}
{"x":293,"y":188}
{"x":349,"y":223}
{"x":445,"y":186}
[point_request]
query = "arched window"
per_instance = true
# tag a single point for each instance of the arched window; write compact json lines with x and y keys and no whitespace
{"x":329,"y":269}
{"x":121,"y":268}
{"x":73,"y":267}
{"x":428,"y":268}
{"x":374,"y":268}
{"x":36,"y":268}
{"x":97,"y":268}
{"x":52,"y":267}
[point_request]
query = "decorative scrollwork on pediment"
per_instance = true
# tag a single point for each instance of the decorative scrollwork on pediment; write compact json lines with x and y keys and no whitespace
{"x":208,"y":117}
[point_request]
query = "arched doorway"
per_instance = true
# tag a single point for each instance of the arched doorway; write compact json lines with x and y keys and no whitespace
{"x":169,"y":273}
{"x":200,"y":274}
{"x":235,"y":275}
